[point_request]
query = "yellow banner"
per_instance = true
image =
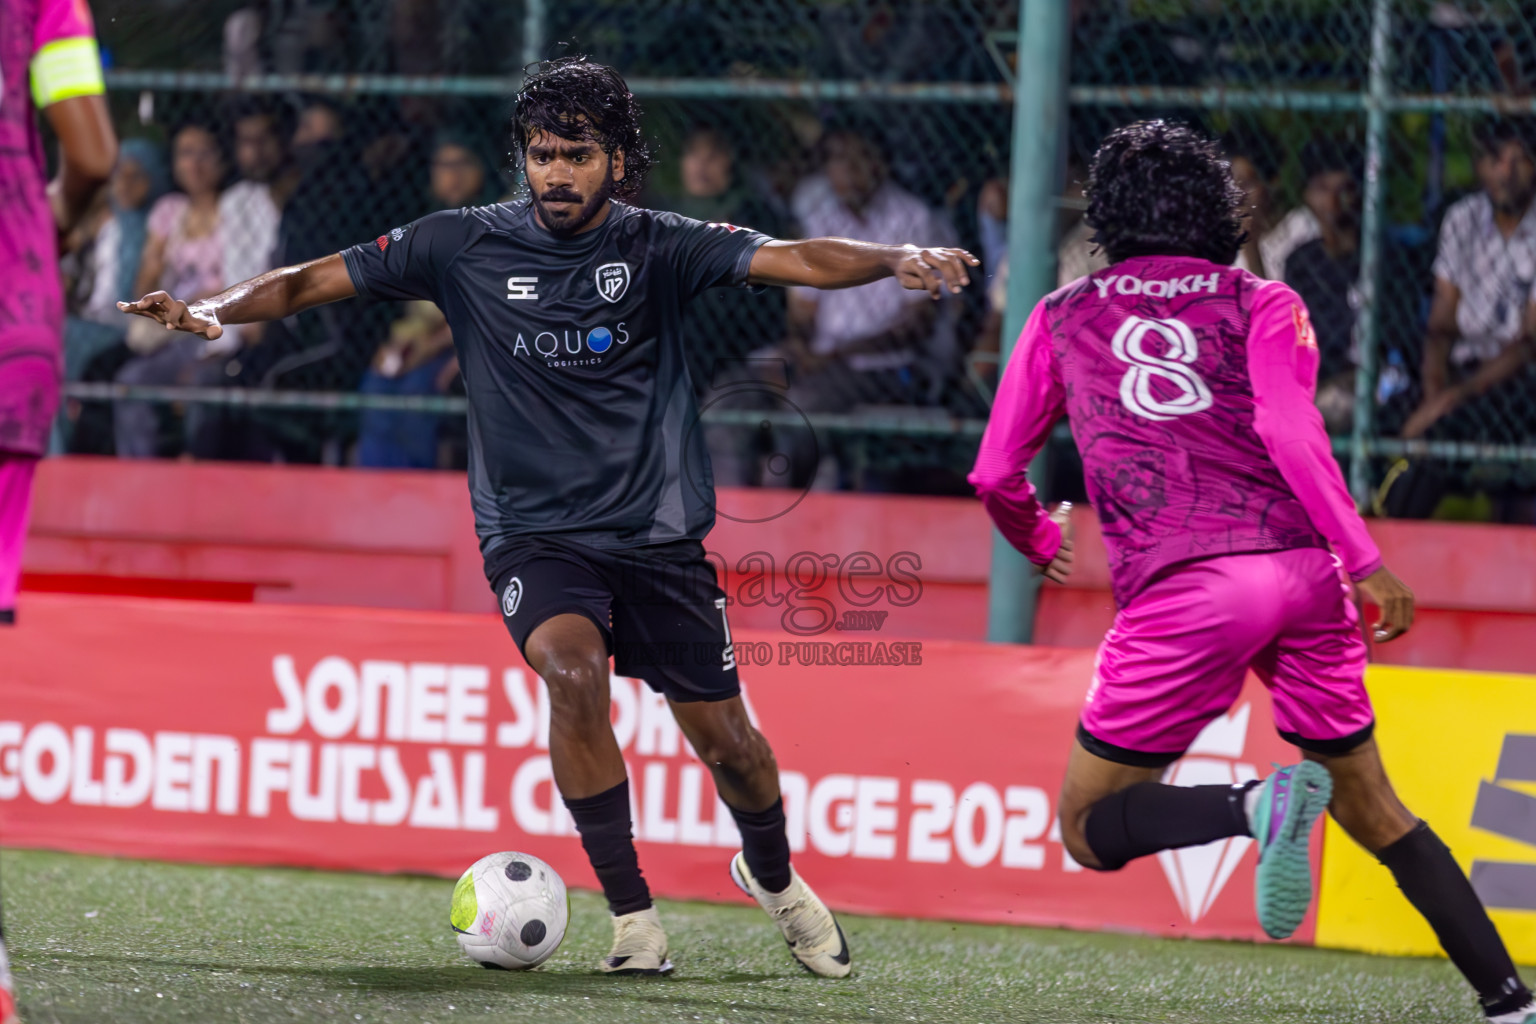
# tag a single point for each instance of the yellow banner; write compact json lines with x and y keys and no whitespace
{"x":1460,"y":747}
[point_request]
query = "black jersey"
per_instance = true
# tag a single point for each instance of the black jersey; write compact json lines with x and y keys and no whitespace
{"x":582,"y":420}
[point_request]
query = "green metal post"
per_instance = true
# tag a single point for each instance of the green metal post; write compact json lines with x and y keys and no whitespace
{"x":1039,"y":114}
{"x":1372,"y":229}
{"x":534,"y":30}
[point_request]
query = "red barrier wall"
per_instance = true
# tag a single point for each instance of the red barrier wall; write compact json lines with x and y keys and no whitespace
{"x":405,"y":540}
{"x":417,"y":741}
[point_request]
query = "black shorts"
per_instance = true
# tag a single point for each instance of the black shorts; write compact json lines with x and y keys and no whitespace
{"x":660,"y":609}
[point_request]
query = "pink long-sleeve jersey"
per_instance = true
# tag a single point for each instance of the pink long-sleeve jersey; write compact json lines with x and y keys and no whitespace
{"x":47,"y":53}
{"x":1189,"y":387}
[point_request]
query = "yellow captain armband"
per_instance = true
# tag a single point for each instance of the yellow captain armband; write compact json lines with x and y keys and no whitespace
{"x":66,"y":68}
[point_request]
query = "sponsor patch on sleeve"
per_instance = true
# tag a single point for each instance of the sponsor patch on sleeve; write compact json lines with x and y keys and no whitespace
{"x":1304,"y":334}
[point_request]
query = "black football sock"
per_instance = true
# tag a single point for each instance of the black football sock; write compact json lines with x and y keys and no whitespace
{"x":1150,"y":816}
{"x":1436,"y":886}
{"x":603,"y":821}
{"x":765,"y":845}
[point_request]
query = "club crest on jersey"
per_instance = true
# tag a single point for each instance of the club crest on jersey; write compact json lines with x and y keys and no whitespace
{"x":613,"y":281}
{"x":512,"y":597}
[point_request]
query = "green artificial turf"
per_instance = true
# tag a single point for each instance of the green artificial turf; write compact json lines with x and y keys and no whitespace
{"x":128,"y":941}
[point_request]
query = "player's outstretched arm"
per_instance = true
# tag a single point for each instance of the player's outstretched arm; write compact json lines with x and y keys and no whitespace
{"x":272,"y":296}
{"x":844,"y":263}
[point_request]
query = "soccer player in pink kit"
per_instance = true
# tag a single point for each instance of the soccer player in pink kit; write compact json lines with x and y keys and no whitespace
{"x":48,"y":62}
{"x":1189,"y":387}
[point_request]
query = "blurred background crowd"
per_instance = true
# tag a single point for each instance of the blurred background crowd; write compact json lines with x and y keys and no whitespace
{"x":216,"y":185}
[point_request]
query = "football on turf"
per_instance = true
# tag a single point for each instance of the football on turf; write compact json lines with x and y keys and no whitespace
{"x":509,"y":911}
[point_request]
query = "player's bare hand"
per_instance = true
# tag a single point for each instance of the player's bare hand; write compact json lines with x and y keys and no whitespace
{"x":935,"y":271}
{"x":174,"y":314}
{"x":1395,"y":600}
{"x":1060,"y":567}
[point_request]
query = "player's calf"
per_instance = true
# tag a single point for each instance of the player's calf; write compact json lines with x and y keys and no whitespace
{"x":1366,"y":806}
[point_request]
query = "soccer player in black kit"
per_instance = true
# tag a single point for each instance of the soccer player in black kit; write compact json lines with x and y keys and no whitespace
{"x":591,"y":489}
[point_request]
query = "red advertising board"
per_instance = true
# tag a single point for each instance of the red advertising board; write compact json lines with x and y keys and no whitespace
{"x":920,"y":777}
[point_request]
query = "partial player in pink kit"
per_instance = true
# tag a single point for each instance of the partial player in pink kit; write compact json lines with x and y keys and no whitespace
{"x":48,"y":62}
{"x":1189,"y":387}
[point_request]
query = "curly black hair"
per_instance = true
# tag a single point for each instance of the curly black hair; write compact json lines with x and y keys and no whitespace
{"x":1162,"y":189}
{"x":577,"y":98}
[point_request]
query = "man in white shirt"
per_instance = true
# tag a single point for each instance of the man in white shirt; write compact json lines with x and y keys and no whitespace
{"x":1479,"y":342}
{"x":876,"y":344}
{"x":857,"y":333}
{"x":251,"y":208}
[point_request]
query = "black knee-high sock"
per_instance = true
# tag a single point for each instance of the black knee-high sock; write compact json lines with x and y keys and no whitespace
{"x":1150,"y":816}
{"x":1434,"y":883}
{"x":765,"y":845}
{"x":603,"y":821}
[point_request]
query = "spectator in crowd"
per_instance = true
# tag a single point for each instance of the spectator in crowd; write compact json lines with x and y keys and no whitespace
{"x":322,"y":216}
{"x":1478,"y":344}
{"x":107,"y":254}
{"x":326,"y":349}
{"x":250,"y":210}
{"x":461,"y":174}
{"x":417,"y":359}
{"x":1325,"y":272}
{"x":875,"y":344}
{"x":714,"y":188}
{"x":1326,"y":166}
{"x":1477,"y":377}
{"x":1076,"y":256}
{"x":1254,"y":170}
{"x":724,"y":324}
{"x":103,"y":265}
{"x":184,"y":255}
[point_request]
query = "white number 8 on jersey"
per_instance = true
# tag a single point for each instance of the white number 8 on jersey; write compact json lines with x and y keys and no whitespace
{"x":1136,"y":385}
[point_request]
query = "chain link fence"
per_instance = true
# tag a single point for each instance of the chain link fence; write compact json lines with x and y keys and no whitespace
{"x":353,"y":117}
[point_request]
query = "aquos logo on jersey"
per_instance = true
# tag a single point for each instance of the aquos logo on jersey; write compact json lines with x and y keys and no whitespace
{"x":573,"y":342}
{"x":1198,"y":873}
{"x":612,"y":280}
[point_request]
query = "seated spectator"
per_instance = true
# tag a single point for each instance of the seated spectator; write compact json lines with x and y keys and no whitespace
{"x":1254,"y":170}
{"x":183,"y":255}
{"x":1477,"y":375}
{"x":714,"y":190}
{"x":103,"y":265}
{"x":417,"y":359}
{"x":250,"y":210}
{"x":1325,"y":272}
{"x":723,"y":324}
{"x":877,"y":344}
{"x":1076,"y":256}
{"x":461,"y":174}
{"x":324,"y":349}
{"x":1326,"y":166}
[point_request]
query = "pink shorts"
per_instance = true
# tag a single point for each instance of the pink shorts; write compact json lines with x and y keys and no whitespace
{"x":1177,"y":656}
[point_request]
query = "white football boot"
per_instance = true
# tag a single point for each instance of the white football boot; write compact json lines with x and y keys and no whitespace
{"x":639,"y":945}
{"x":814,"y":936}
{"x":1525,"y":1015}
